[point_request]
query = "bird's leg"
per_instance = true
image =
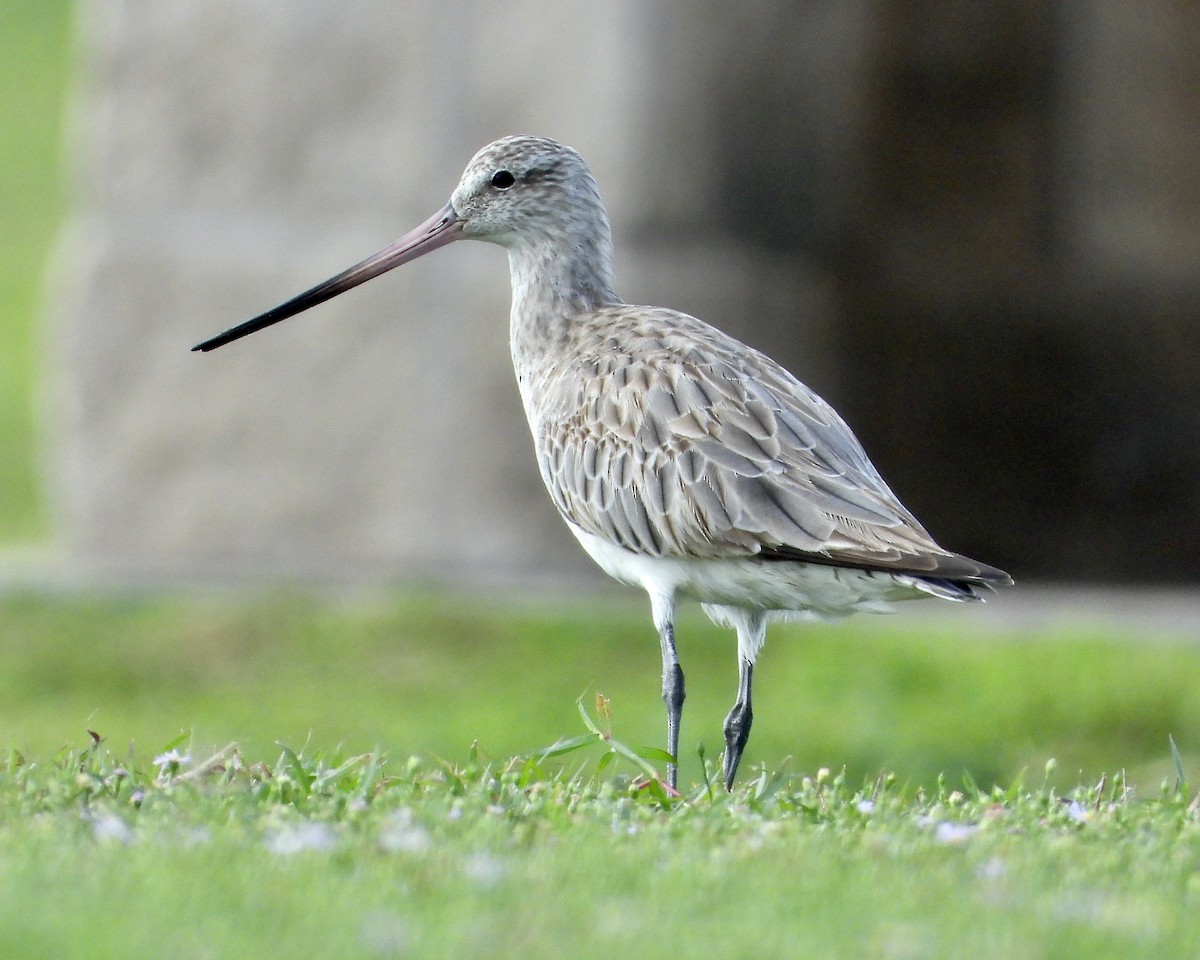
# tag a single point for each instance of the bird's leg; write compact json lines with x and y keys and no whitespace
{"x":672,"y":694}
{"x":737,"y":724}
{"x":672,"y":681}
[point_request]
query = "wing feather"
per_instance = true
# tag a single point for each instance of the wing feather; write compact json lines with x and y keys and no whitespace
{"x":685,"y":442}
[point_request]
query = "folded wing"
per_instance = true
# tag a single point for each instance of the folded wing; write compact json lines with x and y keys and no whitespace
{"x":687,"y":443}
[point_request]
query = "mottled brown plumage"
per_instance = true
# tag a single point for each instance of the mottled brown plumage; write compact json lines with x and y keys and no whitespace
{"x":684,"y":461}
{"x":670,"y":438}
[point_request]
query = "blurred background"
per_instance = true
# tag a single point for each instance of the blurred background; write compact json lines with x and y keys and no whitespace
{"x":973,"y":227}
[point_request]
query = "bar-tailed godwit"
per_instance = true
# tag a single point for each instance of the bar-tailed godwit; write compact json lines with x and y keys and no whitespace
{"x":684,"y":462}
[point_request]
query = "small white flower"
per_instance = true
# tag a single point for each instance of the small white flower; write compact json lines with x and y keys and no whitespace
{"x":300,"y":837}
{"x":994,"y":869}
{"x":485,"y":869}
{"x":195,"y":837}
{"x":108,"y":827}
{"x":400,"y":835}
{"x":1076,"y":812}
{"x":947,"y":832}
{"x":865,"y":807}
{"x":170,"y":762}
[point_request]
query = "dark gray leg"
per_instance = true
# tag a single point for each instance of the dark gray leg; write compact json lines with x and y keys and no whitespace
{"x":737,"y":724}
{"x":672,"y":681}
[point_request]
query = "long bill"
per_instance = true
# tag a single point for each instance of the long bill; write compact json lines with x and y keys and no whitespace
{"x":442,"y":228}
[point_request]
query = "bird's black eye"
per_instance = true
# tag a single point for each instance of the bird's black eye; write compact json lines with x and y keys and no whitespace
{"x":502,"y":179}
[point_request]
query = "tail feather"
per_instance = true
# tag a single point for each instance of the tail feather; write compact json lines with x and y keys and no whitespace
{"x":949,"y":575}
{"x":959,"y":590}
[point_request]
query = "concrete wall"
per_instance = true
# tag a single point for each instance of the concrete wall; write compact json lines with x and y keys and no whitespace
{"x":231,"y":154}
{"x":958,"y":224}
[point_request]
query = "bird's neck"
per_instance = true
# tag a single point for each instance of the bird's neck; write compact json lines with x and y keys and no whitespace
{"x":554,"y":281}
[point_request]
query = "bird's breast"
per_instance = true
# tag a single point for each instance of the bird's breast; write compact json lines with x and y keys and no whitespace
{"x":792,"y":590}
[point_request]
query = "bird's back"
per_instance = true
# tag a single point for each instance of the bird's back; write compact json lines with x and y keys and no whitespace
{"x":666,"y":437}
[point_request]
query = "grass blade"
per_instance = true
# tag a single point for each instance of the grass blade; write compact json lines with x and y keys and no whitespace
{"x":629,"y":754}
{"x":1180,"y":779}
{"x":296,"y":767}
{"x":587,"y":720}
{"x":559,"y":747}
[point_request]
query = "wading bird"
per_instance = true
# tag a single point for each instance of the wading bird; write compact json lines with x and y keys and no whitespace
{"x":684,"y":462}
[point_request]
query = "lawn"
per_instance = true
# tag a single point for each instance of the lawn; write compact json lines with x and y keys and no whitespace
{"x":908,"y":792}
{"x":433,"y":673}
{"x":374,"y":828}
{"x":228,"y":774}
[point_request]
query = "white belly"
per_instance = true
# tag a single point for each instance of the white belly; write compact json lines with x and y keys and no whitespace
{"x":806,"y":591}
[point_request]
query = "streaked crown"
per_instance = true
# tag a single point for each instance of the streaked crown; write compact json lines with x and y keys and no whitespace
{"x":525,"y":189}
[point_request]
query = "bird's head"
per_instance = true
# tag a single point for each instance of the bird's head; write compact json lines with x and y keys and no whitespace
{"x":516,"y":191}
{"x":524,"y":189}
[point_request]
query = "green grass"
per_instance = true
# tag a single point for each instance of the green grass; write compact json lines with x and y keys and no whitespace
{"x":353,"y":856}
{"x":418,"y":857}
{"x":395,"y":823}
{"x":434,"y":673}
{"x":34,"y":40}
{"x":379,"y":830}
